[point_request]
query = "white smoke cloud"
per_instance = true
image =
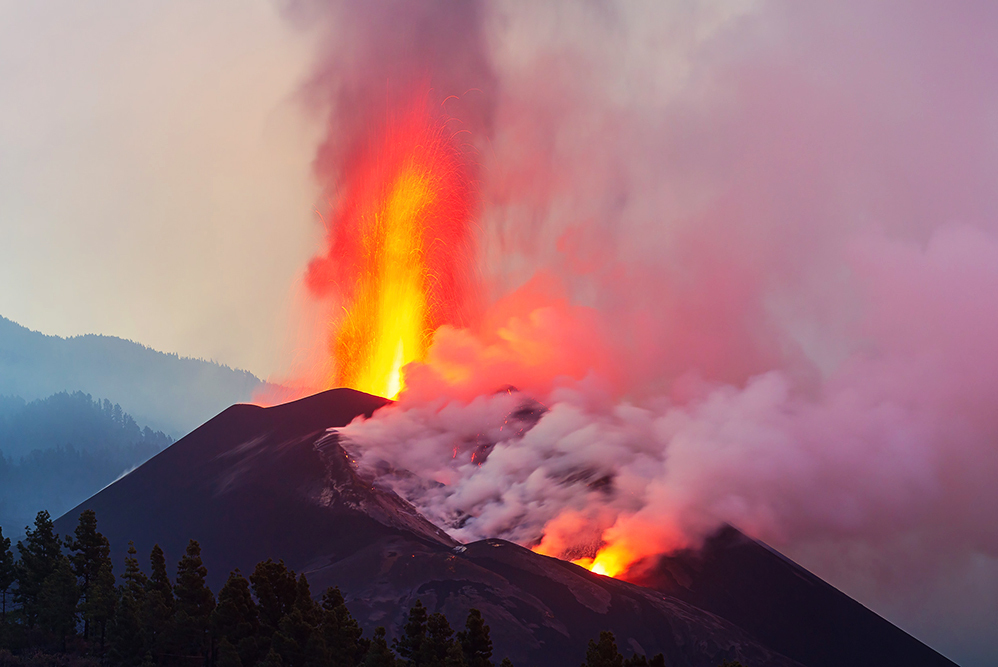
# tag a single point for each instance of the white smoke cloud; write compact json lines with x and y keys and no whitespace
{"x":886,"y":462}
{"x":746,"y":255}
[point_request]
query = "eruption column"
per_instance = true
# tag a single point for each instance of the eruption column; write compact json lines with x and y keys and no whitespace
{"x":399,"y":252}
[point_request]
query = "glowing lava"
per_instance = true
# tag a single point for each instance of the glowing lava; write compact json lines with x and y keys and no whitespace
{"x":610,"y":561}
{"x":399,"y":252}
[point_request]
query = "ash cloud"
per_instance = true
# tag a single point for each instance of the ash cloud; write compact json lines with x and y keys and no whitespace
{"x":746,"y":256}
{"x":377,"y":54}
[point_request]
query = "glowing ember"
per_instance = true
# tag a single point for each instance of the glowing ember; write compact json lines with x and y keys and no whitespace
{"x":399,"y":248}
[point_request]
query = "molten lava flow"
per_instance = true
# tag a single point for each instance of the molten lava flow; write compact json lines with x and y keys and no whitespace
{"x":610,"y":561}
{"x":399,"y":252}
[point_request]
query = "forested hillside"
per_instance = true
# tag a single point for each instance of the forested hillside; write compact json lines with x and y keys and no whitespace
{"x":164,"y":391}
{"x":58,"y":451}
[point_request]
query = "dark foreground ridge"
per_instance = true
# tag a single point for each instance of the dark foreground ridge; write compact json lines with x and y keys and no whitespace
{"x":256,"y":483}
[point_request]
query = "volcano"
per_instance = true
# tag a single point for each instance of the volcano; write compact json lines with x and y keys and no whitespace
{"x":256,"y":483}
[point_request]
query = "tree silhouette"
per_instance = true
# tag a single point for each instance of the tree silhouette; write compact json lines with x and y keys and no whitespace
{"x":8,"y":575}
{"x":195,"y":602}
{"x":476,"y":643}
{"x":340,"y":631}
{"x":147,"y":621}
{"x":90,"y":553}
{"x":127,"y":637}
{"x":99,"y":605}
{"x":157,"y":610}
{"x":57,"y":601}
{"x":379,"y":655}
{"x":603,"y":653}
{"x":273,"y":659}
{"x":227,"y":656}
{"x":40,"y":556}
{"x":439,"y":643}
{"x":409,"y":645}
{"x":235,"y":619}
{"x":274,"y":587}
{"x":638,"y":660}
{"x":297,"y":639}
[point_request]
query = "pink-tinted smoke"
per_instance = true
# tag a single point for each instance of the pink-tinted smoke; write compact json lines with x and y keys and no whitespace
{"x":744,"y":257}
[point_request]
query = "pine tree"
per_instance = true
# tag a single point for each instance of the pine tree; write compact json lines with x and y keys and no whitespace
{"x":195,"y":602}
{"x":439,"y":642}
{"x":304,"y":604}
{"x":134,"y":579}
{"x":8,"y":575}
{"x":158,"y":608}
{"x":379,"y":655}
{"x":126,"y":634}
{"x":228,"y":656}
{"x":40,"y":553}
{"x":455,"y":656}
{"x":90,"y":552}
{"x":99,"y":605}
{"x":603,"y":653}
{"x":273,"y":659}
{"x":286,"y":648}
{"x":475,"y":641}
{"x":409,"y":646}
{"x":159,"y":580}
{"x":274,"y":587}
{"x":297,"y":639}
{"x":506,"y":662}
{"x":57,"y":601}
{"x":340,"y":631}
{"x":236,"y":620}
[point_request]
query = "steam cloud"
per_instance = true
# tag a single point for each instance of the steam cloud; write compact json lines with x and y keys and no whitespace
{"x":745,"y":255}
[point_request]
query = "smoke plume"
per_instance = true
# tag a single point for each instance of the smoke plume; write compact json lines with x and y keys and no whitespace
{"x":740,"y":262}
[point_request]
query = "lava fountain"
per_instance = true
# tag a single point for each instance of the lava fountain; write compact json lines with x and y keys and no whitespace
{"x":400,"y":251}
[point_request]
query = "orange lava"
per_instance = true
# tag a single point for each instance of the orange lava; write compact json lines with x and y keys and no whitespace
{"x":610,"y":561}
{"x":399,"y":251}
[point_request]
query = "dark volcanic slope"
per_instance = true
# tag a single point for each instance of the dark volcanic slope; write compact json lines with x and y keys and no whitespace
{"x":785,"y":606}
{"x":256,"y":483}
{"x":542,"y":611}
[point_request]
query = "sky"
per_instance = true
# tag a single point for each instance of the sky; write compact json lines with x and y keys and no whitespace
{"x":155,"y":173}
{"x":746,"y":252}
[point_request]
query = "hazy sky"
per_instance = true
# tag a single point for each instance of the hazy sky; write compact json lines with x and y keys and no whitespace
{"x":155,"y":172}
{"x":777,"y":219}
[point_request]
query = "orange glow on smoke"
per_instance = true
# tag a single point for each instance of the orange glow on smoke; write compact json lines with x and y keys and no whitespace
{"x":399,"y":251}
{"x":625,"y":540}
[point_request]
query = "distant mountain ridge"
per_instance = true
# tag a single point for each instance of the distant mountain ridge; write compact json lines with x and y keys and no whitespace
{"x":69,"y":420}
{"x":163,"y":391}
{"x":54,"y":452}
